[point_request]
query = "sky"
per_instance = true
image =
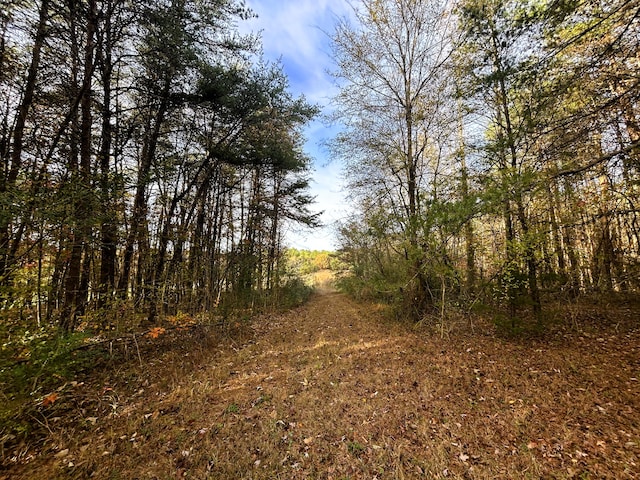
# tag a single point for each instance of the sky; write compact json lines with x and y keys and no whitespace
{"x":296,"y":33}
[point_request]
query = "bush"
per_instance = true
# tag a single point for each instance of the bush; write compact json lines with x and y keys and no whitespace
{"x":36,"y":360}
{"x":294,"y":293}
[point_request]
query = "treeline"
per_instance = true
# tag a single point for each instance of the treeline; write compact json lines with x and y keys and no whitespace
{"x":303,"y":262}
{"x":493,"y":147}
{"x":149,"y":160}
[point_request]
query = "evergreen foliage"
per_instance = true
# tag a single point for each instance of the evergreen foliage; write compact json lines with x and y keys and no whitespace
{"x":150,"y":160}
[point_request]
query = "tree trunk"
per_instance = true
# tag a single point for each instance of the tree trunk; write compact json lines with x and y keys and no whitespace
{"x":504,"y":111}
{"x":76,"y":285}
{"x":108,"y":224}
{"x":555,"y":233}
{"x":139,"y":213}
{"x":14,"y":160}
{"x":469,"y":234}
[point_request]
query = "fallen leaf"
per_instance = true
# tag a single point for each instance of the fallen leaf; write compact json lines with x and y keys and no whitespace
{"x":62,"y":453}
{"x":156,"y":332}
{"x":50,"y":399}
{"x":463,"y":457}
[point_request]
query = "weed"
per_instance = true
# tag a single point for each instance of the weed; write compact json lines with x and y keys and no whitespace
{"x":356,"y":449}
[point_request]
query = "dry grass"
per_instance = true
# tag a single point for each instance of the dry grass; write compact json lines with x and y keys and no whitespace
{"x":332,"y":390}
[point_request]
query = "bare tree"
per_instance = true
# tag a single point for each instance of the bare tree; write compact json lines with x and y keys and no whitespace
{"x":391,"y":65}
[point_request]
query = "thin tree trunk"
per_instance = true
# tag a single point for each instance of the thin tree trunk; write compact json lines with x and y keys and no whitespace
{"x":108,"y":227}
{"x":76,"y":286}
{"x":530,"y":260}
{"x":555,"y":233}
{"x":139,"y":213}
{"x":85,"y":209}
{"x":469,"y":234}
{"x":511,"y":290}
{"x":8,"y":180}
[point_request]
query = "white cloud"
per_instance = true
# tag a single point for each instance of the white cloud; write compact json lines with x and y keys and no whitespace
{"x":298,"y":33}
{"x":297,"y":28}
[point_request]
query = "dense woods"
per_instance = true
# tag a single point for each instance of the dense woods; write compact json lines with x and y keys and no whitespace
{"x":492,"y":147}
{"x":149,"y":161}
{"x":155,"y":324}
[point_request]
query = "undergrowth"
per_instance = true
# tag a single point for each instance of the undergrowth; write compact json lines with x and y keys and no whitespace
{"x":335,"y":390}
{"x":33,"y":364}
{"x":37,"y":361}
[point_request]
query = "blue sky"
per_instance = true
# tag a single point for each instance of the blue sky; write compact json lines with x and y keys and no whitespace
{"x":296,"y":33}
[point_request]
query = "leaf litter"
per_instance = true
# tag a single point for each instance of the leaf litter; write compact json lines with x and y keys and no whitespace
{"x":335,"y":390}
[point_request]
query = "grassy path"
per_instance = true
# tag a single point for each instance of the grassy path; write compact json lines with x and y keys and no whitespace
{"x":332,"y":390}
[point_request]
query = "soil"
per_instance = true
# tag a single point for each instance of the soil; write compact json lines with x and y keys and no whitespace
{"x":336,"y":390}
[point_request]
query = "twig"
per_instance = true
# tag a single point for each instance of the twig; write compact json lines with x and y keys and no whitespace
{"x":593,"y":163}
{"x":137,"y":349}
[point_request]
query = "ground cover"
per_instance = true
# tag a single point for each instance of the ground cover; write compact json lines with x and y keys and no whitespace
{"x":336,"y":390}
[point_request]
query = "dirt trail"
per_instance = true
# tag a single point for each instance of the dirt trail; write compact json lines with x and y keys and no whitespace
{"x":332,"y":390}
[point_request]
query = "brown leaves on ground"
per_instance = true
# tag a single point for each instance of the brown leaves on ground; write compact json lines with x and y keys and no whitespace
{"x":156,"y":332}
{"x":332,"y":390}
{"x":50,"y":399}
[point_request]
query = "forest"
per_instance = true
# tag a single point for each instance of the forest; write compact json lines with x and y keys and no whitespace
{"x":155,"y":323}
{"x":492,"y":148}
{"x":150,"y":159}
